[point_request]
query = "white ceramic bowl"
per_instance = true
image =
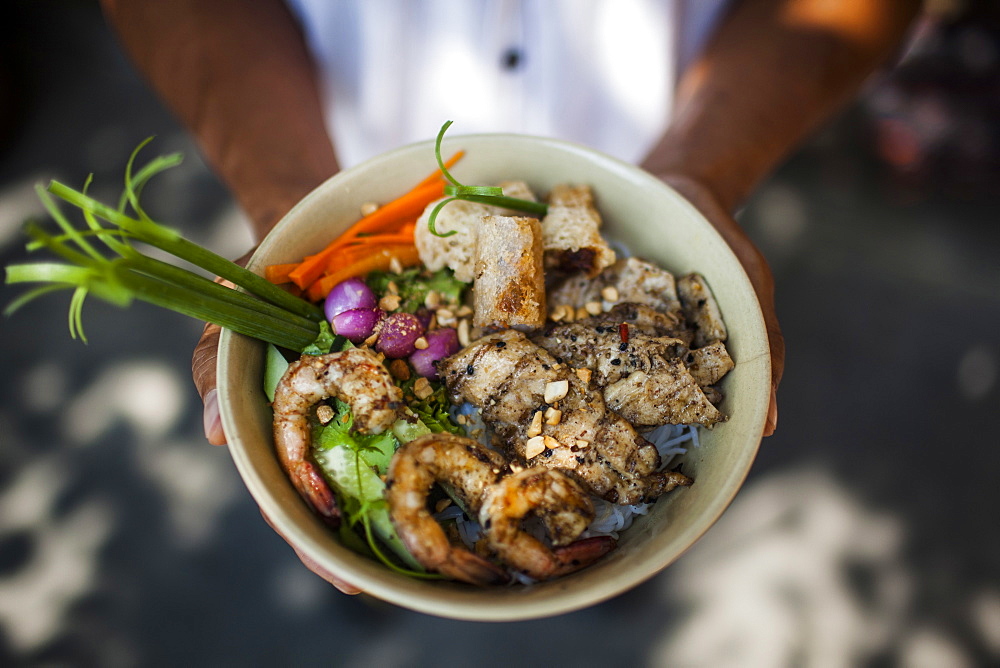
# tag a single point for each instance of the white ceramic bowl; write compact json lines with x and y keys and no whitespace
{"x":639,"y":210}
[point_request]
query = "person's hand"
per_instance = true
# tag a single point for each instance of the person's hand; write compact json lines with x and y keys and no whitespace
{"x":203,"y":362}
{"x":757,"y":270}
{"x":343,"y":587}
{"x":203,"y":371}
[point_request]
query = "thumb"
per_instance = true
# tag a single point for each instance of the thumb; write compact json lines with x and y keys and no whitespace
{"x":203,"y":373}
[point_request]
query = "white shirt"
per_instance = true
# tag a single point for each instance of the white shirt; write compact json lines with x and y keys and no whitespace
{"x":598,"y":72}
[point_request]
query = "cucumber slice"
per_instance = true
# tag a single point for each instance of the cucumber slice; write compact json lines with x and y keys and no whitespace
{"x":274,"y":368}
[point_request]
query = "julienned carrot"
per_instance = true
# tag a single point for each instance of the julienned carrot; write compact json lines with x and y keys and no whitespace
{"x":405,"y":233}
{"x":384,"y":219}
{"x":394,"y":216}
{"x":350,"y":250}
{"x":388,"y":217}
{"x":278,"y":273}
{"x":380,"y":260}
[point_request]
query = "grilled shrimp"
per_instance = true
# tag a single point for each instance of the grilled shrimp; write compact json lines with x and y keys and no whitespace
{"x":563,"y":507}
{"x":469,"y":468}
{"x":355,"y":376}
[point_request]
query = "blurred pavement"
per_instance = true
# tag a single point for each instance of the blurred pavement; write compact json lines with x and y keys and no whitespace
{"x":866,"y":533}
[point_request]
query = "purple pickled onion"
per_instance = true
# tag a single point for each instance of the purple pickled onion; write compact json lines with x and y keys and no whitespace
{"x":398,"y":335}
{"x":441,"y":343}
{"x":348,"y":295}
{"x":356,"y":324}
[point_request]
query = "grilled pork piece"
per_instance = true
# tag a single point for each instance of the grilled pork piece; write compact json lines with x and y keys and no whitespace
{"x":664,"y":393}
{"x":701,"y":310}
{"x":709,"y":364}
{"x":644,"y":319}
{"x":509,"y":279}
{"x":545,"y":413}
{"x":627,"y":280}
{"x":458,"y":251}
{"x":642,"y":376}
{"x":571,"y":230}
{"x":589,"y":344}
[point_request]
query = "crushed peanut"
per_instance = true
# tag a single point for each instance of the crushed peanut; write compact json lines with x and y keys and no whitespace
{"x":461,"y":419}
{"x":557,"y":314}
{"x":399,"y":370}
{"x":368,"y":208}
{"x":584,"y":374}
{"x":392,"y":288}
{"x":445,"y":317}
{"x":553,"y":416}
{"x":463,"y":332}
{"x":389,"y":302}
{"x":420,"y":343}
{"x":370,"y":341}
{"x":395,"y":266}
{"x":556,"y":390}
{"x":536,"y":425}
{"x":581,"y":313}
{"x":432,"y":300}
{"x":581,"y":444}
{"x":324,"y":413}
{"x":610,"y":293}
{"x":464,"y":311}
{"x":422,"y":388}
{"x":551,"y":443}
{"x":593,"y":308}
{"x":534,"y":447}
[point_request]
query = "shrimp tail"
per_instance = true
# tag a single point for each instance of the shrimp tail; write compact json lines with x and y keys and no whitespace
{"x":582,"y":553}
{"x":312,"y":486}
{"x":470,"y":567}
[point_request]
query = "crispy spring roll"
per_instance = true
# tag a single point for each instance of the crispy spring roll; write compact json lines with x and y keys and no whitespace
{"x":509,"y":277}
{"x":571,"y":232}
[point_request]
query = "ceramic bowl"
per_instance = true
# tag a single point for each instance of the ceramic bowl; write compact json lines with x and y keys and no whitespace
{"x":638,"y":210}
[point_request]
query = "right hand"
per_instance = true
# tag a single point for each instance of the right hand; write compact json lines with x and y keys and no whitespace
{"x":203,"y":362}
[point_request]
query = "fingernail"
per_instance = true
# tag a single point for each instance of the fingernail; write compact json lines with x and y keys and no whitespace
{"x":212,"y":419}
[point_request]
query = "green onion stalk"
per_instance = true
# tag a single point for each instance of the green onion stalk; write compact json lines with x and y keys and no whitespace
{"x":491,"y":195}
{"x":119,"y":273}
{"x":99,"y":259}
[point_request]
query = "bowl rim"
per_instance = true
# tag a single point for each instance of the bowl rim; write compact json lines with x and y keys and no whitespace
{"x":445,"y":602}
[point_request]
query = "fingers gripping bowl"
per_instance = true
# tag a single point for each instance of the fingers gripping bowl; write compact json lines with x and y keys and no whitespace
{"x":640,"y":212}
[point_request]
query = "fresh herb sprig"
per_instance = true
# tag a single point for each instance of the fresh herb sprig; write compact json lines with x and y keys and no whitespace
{"x":264,"y":311}
{"x":491,"y":195}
